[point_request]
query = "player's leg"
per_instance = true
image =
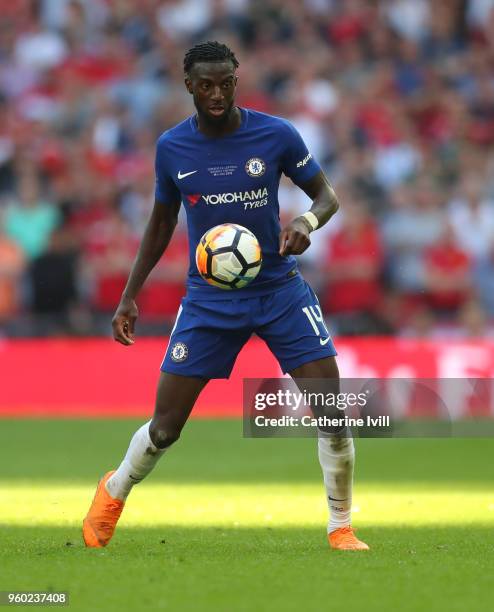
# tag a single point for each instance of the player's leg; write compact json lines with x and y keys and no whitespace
{"x":204,"y":344}
{"x":175,"y":398}
{"x":336,"y":455}
{"x":297,"y":335}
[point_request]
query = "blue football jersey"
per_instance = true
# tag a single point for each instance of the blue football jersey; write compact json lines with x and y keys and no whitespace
{"x":233,"y":179}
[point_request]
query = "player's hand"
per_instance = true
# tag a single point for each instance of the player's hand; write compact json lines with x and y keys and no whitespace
{"x":294,"y":238}
{"x":124,"y":320}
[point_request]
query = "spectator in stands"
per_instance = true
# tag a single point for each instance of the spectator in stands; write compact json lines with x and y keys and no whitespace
{"x":472,"y":218}
{"x":109,"y":259}
{"x":53,"y":283}
{"x":473,"y":322}
{"x":165,"y":288}
{"x":12,"y":268}
{"x":448,"y":280}
{"x":29,"y":219}
{"x":483,"y":277}
{"x":354,"y":265}
{"x":413,"y":224}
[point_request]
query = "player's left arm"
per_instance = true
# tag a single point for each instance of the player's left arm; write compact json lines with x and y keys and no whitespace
{"x":294,"y":237}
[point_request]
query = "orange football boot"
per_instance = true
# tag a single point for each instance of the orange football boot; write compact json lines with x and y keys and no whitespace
{"x":101,"y":520}
{"x":344,"y":539}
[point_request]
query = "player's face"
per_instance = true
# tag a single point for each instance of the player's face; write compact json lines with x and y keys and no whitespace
{"x":212,"y":85}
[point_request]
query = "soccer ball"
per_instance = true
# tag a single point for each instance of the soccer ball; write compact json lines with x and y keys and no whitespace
{"x":228,"y":256}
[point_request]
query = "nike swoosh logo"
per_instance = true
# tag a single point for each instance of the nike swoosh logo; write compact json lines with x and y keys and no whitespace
{"x":325,"y":341}
{"x":334,"y":498}
{"x":181,"y":176}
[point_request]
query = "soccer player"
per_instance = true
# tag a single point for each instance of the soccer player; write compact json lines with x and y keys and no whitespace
{"x":224,"y":164}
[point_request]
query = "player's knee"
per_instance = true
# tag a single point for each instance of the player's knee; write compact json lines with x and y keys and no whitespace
{"x":342,"y":444}
{"x":163,"y":438}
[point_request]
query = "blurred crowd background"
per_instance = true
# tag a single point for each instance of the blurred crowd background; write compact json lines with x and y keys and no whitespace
{"x":395,"y":98}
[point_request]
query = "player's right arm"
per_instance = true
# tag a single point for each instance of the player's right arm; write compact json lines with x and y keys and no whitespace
{"x":157,"y":235}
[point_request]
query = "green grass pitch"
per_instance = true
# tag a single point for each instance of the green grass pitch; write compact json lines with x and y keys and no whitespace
{"x":232,"y":524}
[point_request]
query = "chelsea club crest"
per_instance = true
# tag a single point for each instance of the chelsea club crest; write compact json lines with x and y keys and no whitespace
{"x":255,"y":167}
{"x":179,"y":352}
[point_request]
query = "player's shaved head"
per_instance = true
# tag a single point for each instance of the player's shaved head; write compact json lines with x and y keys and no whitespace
{"x":211,"y":51}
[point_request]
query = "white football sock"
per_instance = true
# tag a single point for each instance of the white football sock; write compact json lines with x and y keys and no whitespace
{"x":140,"y":459}
{"x":337,"y":456}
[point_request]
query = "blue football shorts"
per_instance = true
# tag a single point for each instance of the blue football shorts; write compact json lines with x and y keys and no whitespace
{"x":208,"y":335}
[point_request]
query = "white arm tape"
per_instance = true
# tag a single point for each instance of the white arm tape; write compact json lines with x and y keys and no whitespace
{"x":312,"y":220}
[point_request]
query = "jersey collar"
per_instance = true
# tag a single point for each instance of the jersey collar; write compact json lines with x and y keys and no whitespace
{"x":195,"y":127}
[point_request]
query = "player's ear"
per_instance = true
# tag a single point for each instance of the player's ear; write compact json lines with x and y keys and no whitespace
{"x":188,"y":84}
